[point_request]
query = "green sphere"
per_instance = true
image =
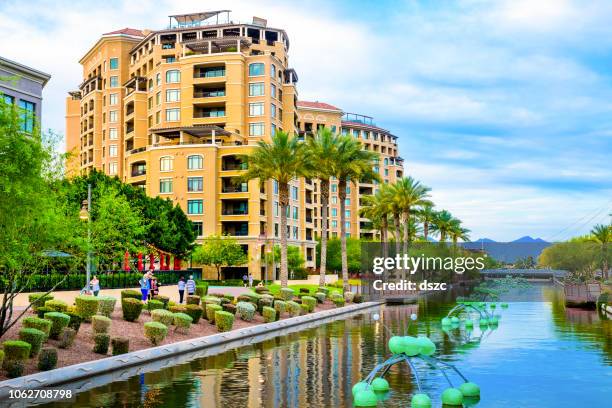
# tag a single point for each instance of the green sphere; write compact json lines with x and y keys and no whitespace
{"x":427,"y":346}
{"x":380,"y":384}
{"x":469,"y":323}
{"x":470,"y":401}
{"x":454,"y":320}
{"x":493,"y":305}
{"x":446,"y":321}
{"x":420,"y":401}
{"x":365,"y":398}
{"x":396,"y":344}
{"x":360,"y":386}
{"x":452,"y":396}
{"x":469,"y":389}
{"x":483,"y":322}
{"x":493,"y":320}
{"x":411,"y":346}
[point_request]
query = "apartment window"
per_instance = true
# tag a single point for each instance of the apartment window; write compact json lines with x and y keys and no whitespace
{"x":295,"y":232}
{"x":333,"y":128}
{"x":355,"y":133}
{"x":173,"y":115}
{"x":173,"y":76}
{"x":112,"y":150}
{"x":334,"y":212}
{"x":347,"y":213}
{"x":348,"y":189}
{"x":114,"y":63}
{"x":273,"y":91}
{"x":112,"y":168}
{"x":334,"y":188}
{"x":158,"y":79}
{"x":112,"y":116}
{"x":195,"y":206}
{"x":112,"y":99}
{"x":170,"y":60}
{"x":276,"y":230}
{"x":112,"y":133}
{"x":256,"y":109}
{"x":256,"y":89}
{"x":386,"y":162}
{"x":272,"y":71}
{"x":8,"y":99}
{"x":344,"y":132}
{"x":275,"y":186}
{"x":273,"y":110}
{"x":158,"y":98}
{"x":195,"y":162}
{"x":294,"y":193}
{"x":334,"y":200}
{"x":295,"y":213}
{"x":334,"y":224}
{"x":272,"y":129}
{"x":195,"y":184}
{"x":198,"y":228}
{"x":256,"y":69}
{"x":256,"y":129}
{"x":150,"y":103}
{"x":276,"y":209}
{"x":173,"y":95}
{"x":27,"y":116}
{"x":347,"y":201}
{"x":114,"y":81}
{"x":347,"y":225}
{"x":157,"y":117}
{"x":386,"y":172}
{"x":166,"y":163}
{"x":165,"y":186}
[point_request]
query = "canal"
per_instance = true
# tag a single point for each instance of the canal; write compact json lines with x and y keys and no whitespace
{"x":541,"y":355}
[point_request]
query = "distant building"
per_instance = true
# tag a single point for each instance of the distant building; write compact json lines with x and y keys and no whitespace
{"x":22,"y":86}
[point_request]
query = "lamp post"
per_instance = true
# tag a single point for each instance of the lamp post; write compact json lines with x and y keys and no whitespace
{"x":84,"y":215}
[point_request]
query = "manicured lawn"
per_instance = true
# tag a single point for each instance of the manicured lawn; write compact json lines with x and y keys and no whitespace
{"x":275,"y":288}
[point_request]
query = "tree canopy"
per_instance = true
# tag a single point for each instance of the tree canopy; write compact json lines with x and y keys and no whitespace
{"x":219,"y":251}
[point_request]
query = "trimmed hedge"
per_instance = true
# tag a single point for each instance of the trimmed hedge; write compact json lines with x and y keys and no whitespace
{"x":101,"y":343}
{"x":1,"y":357}
{"x":131,"y":309}
{"x":224,"y":320}
{"x":14,"y":368}
{"x":100,"y":324}
{"x":211,"y":309}
{"x":323,"y":289}
{"x":40,"y":312}
{"x":320,"y":297}
{"x":211,"y":299}
{"x":269,"y":314}
{"x":305,"y":291}
{"x":310,"y":302}
{"x":15,"y":350}
{"x":163,"y":299}
{"x":56,"y":305}
{"x":75,"y":321}
{"x":47,"y":359}
{"x":106,"y":305}
{"x":193,"y":300}
{"x":287,"y":293}
{"x":120,"y":345}
{"x":280,"y":306}
{"x":34,"y":337}
{"x":263,"y":302}
{"x":261,"y":290}
{"x":230,"y":308}
{"x":86,"y":306}
{"x":294,"y":308}
{"x":245,"y":310}
{"x":201,"y":289}
{"x":177,"y":309}
{"x":38,"y":323}
{"x":155,"y":305}
{"x":162,"y":316}
{"x":195,"y":312}
{"x":338,"y":301}
{"x":305,"y":308}
{"x":349,"y":296}
{"x":358,"y":298}
{"x":131,"y":294}
{"x":38,"y":300}
{"x":67,"y":337}
{"x":155,"y":332}
{"x":182,"y":322}
{"x":58,"y":322}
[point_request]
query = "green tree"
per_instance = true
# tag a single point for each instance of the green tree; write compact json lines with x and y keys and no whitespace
{"x":579,"y":258}
{"x":602,"y":235}
{"x":283,"y":160}
{"x":295,"y":260}
{"x":443,"y":224}
{"x":427,"y":215}
{"x":376,"y":208}
{"x":334,"y":260}
{"x":219,"y":251}
{"x":410,"y":195}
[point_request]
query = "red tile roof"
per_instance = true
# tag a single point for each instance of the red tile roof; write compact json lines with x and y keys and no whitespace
{"x":317,"y":105}
{"x":127,"y":31}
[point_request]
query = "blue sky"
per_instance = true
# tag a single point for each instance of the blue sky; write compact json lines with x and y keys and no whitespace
{"x":503,"y":108}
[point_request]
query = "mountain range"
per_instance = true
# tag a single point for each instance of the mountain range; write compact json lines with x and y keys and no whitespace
{"x":525,"y":239}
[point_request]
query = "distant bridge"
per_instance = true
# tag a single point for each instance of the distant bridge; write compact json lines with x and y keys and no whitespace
{"x":524,"y":273}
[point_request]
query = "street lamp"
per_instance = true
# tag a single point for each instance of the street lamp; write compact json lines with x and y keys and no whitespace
{"x":84,"y":215}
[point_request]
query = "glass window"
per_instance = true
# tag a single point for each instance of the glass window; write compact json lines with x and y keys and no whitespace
{"x":256,"y":129}
{"x":173,"y":95}
{"x":195,"y":206}
{"x":114,"y":63}
{"x":386,"y":162}
{"x":198,"y":228}
{"x":158,"y":79}
{"x":334,"y":224}
{"x":276,"y":230}
{"x":256,"y":109}
{"x":334,"y":200}
{"x":273,"y":91}
{"x":333,"y":128}
{"x":112,"y":99}
{"x":112,"y":116}
{"x":112,"y":168}
{"x":295,"y":213}
{"x":347,"y":213}
{"x":256,"y":69}
{"x":347,"y":225}
{"x":195,"y":184}
{"x":347,"y":201}
{"x":195,"y":162}
{"x":334,"y":212}
{"x":272,"y":71}
{"x":272,"y":129}
{"x":157,"y":117}
{"x":114,"y":81}
{"x":294,"y":192}
{"x":256,"y":89}
{"x":173,"y":115}
{"x":276,"y":209}
{"x":8,"y":99}
{"x":27,"y":115}
{"x":334,"y":188}
{"x":158,"y":98}
{"x":344,"y":132}
{"x":295,"y":232}
{"x":112,"y":133}
{"x":273,"y":110}
{"x":275,"y":186}
{"x":173,"y":76}
{"x":166,"y":163}
{"x":112,"y":150}
{"x":165,"y":186}
{"x":348,"y":189}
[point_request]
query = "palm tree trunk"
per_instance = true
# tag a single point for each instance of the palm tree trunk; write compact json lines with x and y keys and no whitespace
{"x":406,"y":230}
{"x":384,"y":237}
{"x":425,"y":230}
{"x":283,"y":195}
{"x":324,"y":221}
{"x":343,"y":256}
{"x":398,"y":238}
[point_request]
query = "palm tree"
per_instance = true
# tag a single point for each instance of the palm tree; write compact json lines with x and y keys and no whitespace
{"x":321,"y":151}
{"x":376,"y":208}
{"x":443,"y":224}
{"x":282,"y":159}
{"x":351,"y":164}
{"x":602,"y":234}
{"x":427,"y":215}
{"x":409,"y":194}
{"x":457,"y":232}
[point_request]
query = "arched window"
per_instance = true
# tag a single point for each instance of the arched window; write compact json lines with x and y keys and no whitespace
{"x":166,"y":163}
{"x":195,"y":162}
{"x":173,"y":76}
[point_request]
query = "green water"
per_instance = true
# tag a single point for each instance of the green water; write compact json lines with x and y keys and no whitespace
{"x":540,"y":355}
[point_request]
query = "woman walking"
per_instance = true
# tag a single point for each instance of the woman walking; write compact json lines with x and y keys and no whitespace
{"x":181,"y":288}
{"x":190,"y":286}
{"x":145,"y":285}
{"x":95,"y":285}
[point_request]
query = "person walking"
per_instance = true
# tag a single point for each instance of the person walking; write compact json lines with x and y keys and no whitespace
{"x":190,"y":286}
{"x":250,"y":280}
{"x":245,"y":279}
{"x":181,"y":288}
{"x":95,"y":285}
{"x":145,"y":285}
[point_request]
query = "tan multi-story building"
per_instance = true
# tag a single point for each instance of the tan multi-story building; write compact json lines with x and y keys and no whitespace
{"x":172,"y":111}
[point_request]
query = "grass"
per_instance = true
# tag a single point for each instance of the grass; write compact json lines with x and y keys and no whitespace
{"x":275,"y":288}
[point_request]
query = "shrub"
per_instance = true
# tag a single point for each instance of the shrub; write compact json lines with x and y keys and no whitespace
{"x":15,"y":350}
{"x":217,"y":295}
{"x":280,"y":306}
{"x":58,"y":322}
{"x":287,"y":293}
{"x":269,"y":314}
{"x":106,"y":305}
{"x":338,"y":301}
{"x":263,"y":302}
{"x":14,"y":368}
{"x":224,"y":320}
{"x":228,"y":297}
{"x":201,"y":289}
{"x":131,"y":309}
{"x":1,"y":357}
{"x":38,"y":300}
{"x":155,"y":304}
{"x":294,"y":308}
{"x":75,"y":321}
{"x":305,"y":308}
{"x":40,"y":312}
{"x":243,"y":298}
{"x":211,"y":308}
{"x":71,"y":309}
{"x":100,"y":324}
{"x":67,"y":337}
{"x":47,"y":359}
{"x":310,"y":302}
{"x":224,"y":301}
{"x":34,"y":337}
{"x":163,"y":299}
{"x":349,"y":296}
{"x":101,"y":342}
{"x":155,"y":332}
{"x":178,"y":308}
{"x":193,"y":300}
{"x":320,"y":297}
{"x":121,"y":345}
{"x":358,"y":298}
{"x":38,"y":323}
{"x":253,"y":297}
{"x":87,"y":306}
{"x":212,"y":299}
{"x":230,"y":308}
{"x":323,"y":289}
{"x":56,"y":305}
{"x":262,"y":290}
{"x":195,"y":312}
{"x":182,"y":321}
{"x":245,"y":310}
{"x":305,"y":291}
{"x":131,"y":294}
{"x":162,"y":316}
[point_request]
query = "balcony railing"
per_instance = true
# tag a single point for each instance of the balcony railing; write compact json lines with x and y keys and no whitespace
{"x":235,"y":211}
{"x":208,"y":94}
{"x":138,"y":172}
{"x":234,"y":166}
{"x":235,"y":189}
{"x":209,"y":114}
{"x":209,"y":74}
